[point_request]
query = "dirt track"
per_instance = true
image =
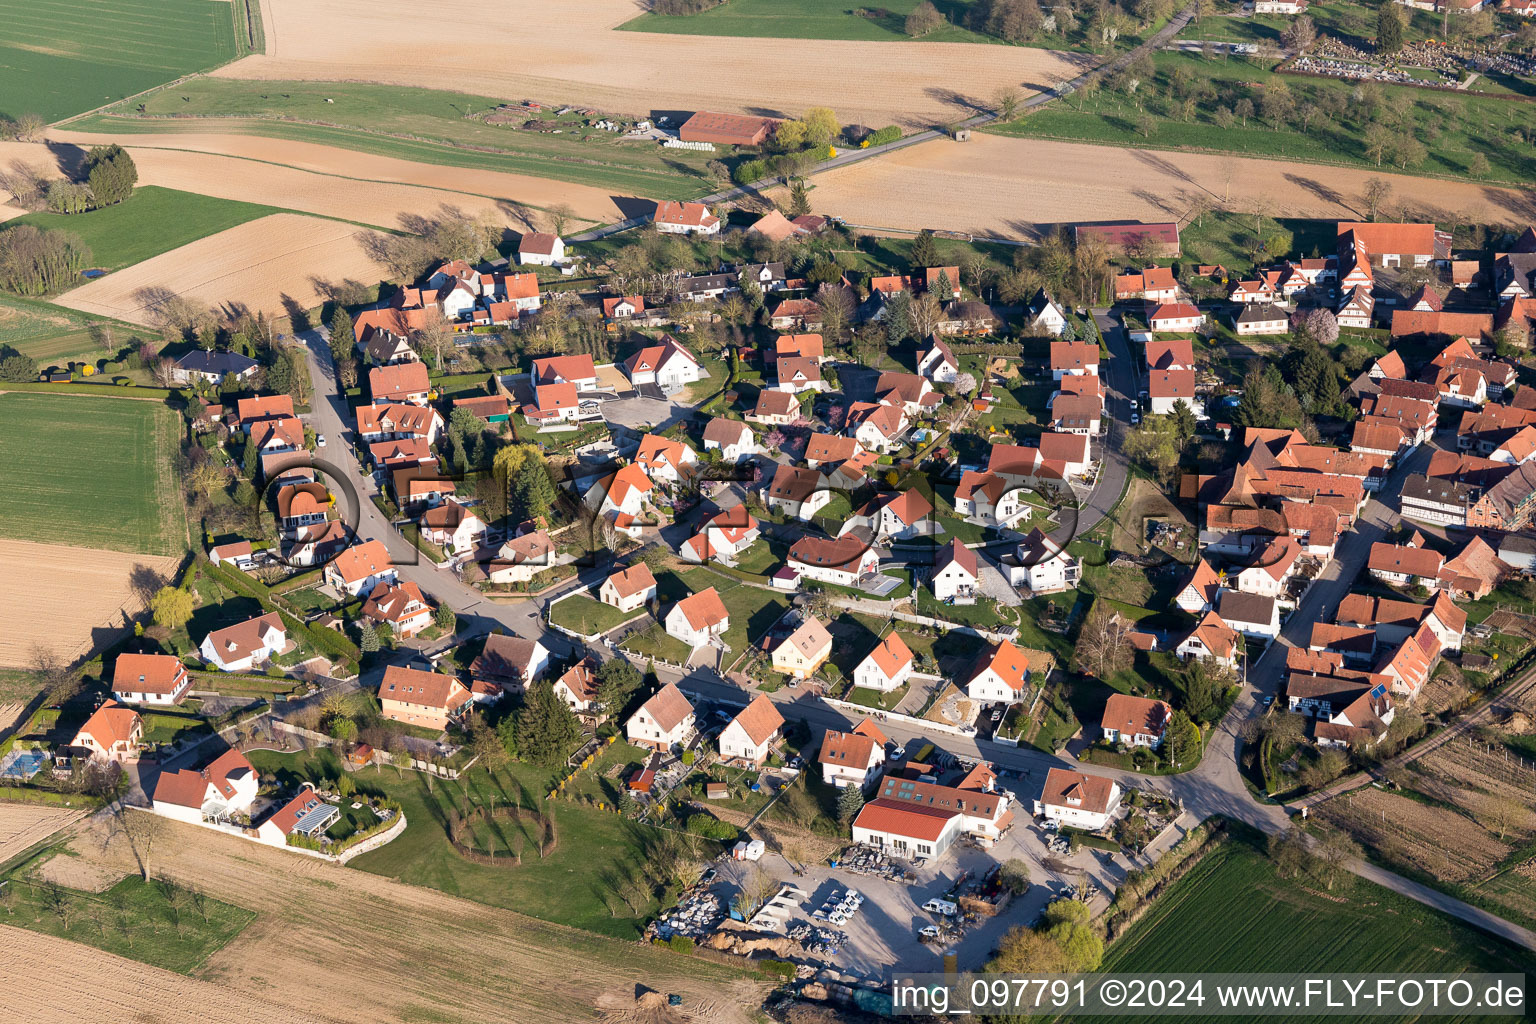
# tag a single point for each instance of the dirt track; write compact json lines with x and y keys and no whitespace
{"x":78,"y":602}
{"x":258,"y":265}
{"x":568,"y":52}
{"x":1005,"y":187}
{"x":356,"y":947}
{"x":329,"y":181}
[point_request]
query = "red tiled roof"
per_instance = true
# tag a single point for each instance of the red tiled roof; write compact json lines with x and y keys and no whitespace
{"x":146,"y":673}
{"x":1136,"y":716}
{"x":1087,"y":793}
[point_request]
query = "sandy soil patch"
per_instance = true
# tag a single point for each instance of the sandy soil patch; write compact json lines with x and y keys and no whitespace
{"x":83,"y":599}
{"x":10,"y":714}
{"x":8,"y":211}
{"x":55,"y":981}
{"x":362,"y":948}
{"x":21,"y":825}
{"x":1006,"y":187}
{"x":79,"y":872}
{"x":568,"y":52}
{"x":336,"y":182}
{"x":259,"y":265}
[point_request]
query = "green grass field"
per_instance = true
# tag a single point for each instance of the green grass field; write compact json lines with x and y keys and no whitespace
{"x":53,"y":334}
{"x":1451,"y":127}
{"x":426,"y":125}
{"x":1232,"y":913}
{"x":587,"y":616}
{"x":63,"y":57}
{"x":151,"y":221}
{"x":91,"y":472}
{"x":567,"y":886}
{"x":807,"y":19}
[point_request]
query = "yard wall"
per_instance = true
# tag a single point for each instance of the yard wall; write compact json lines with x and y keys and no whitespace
{"x":864,"y":711}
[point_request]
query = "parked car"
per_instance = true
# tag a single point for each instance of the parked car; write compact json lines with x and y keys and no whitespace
{"x":319,"y":440}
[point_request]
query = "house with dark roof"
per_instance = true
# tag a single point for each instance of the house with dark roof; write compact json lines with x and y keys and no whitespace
{"x":213,"y":367}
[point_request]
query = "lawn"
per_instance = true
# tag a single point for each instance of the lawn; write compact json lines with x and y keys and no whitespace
{"x":1232,"y":913}
{"x":1451,"y":127}
{"x":133,"y":919}
{"x":91,"y":472}
{"x":426,"y":125}
{"x":657,"y":643}
{"x":752,"y":609}
{"x":587,"y":616}
{"x":151,"y":221}
{"x":63,"y":57}
{"x":570,"y":886}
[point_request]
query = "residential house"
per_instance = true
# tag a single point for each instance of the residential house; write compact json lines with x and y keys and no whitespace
{"x":675,"y":218}
{"x":794,"y":374}
{"x":1262,"y":318}
{"x":1406,"y":565}
{"x":220,"y":791}
{"x":623,"y":307}
{"x":796,"y":315}
{"x":664,"y":721}
{"x":428,"y":699}
{"x":1070,"y":358}
{"x":938,"y":362}
{"x":723,"y":537}
{"x":912,"y":393}
{"x":852,"y":758}
{"x":578,"y":686}
{"x":540,"y":249}
{"x":237,"y":554}
{"x":1211,"y":639}
{"x":629,"y":589}
{"x":846,"y":561}
{"x":967,"y":318}
{"x":1167,"y":388}
{"x":1199,"y":594}
{"x":876,"y":426}
{"x":404,"y":383}
{"x":112,"y":733}
{"x":825,"y":450}
{"x":698,"y":619}
{"x":1135,"y":721}
{"x":1078,"y":800}
{"x":399,"y":606}
{"x":798,"y":346}
{"x":731,"y":438}
{"x":892,"y":516}
{"x":453,"y":527}
{"x":775,"y":408}
{"x":1173,"y":354}
{"x":522,"y":557}
{"x":304,"y":815}
{"x":1357,"y":307}
{"x":397,"y":422}
{"x":920,"y":821}
{"x":623,"y":494}
{"x":887,"y":667}
{"x":1042,"y":315}
{"x":213,"y":367}
{"x":1175,"y":316}
{"x":669,"y":366}
{"x":247,"y":645}
{"x":1274,"y":563}
{"x":509,"y":664}
{"x":574,"y":369}
{"x":768,"y":277}
{"x":1076,"y":413}
{"x":1154,"y":284}
{"x":1475,"y":571}
{"x":990,"y":499}
{"x":1280,"y":6}
{"x":1043,"y":565}
{"x":1001,"y":673}
{"x":1019,"y":466}
{"x":955,"y":573}
{"x":666,"y":461}
{"x":553,"y":403}
{"x":383,"y":334}
{"x":798,"y":493}
{"x":149,"y":679}
{"x":749,"y":737}
{"x":1255,"y":615}
{"x":1397,"y":244}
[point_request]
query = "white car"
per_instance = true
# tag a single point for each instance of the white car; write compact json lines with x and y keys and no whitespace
{"x":319,"y":440}
{"x":1135,"y":418}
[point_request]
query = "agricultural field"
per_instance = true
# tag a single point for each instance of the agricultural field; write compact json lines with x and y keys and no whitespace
{"x":1465,"y":822}
{"x":63,"y":57}
{"x":979,"y":187}
{"x":94,"y":472}
{"x":51,"y":334}
{"x":1451,"y":128}
{"x":570,"y":54}
{"x":151,"y":221}
{"x":271,"y":264}
{"x":811,"y":19}
{"x":23,"y":826}
{"x":1269,"y":923}
{"x":327,"y":945}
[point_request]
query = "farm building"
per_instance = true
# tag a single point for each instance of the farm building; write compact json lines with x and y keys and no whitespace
{"x":727,"y":129}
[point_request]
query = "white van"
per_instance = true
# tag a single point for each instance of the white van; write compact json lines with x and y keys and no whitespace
{"x":946,"y":907}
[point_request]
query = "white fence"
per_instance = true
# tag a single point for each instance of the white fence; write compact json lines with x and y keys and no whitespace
{"x":702,"y":147}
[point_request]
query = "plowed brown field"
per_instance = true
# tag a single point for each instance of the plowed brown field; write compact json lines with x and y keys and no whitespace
{"x":73,"y":598}
{"x":334,"y":182}
{"x":568,"y":52}
{"x":21,"y":825}
{"x":341,"y":945}
{"x":257,"y":266}
{"x":1004,"y":187}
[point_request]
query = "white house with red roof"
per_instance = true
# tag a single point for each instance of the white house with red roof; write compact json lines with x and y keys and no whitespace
{"x":238,"y":554}
{"x":890,"y":517}
{"x":722,"y":537}
{"x":573,"y":369}
{"x":852,"y":758}
{"x":540,"y":249}
{"x":404,"y":383}
{"x":1175,"y":316}
{"x":1000,"y":673}
{"x":522,"y":557}
{"x":1078,"y":800}
{"x":877,"y":426}
{"x":698,"y":619}
{"x":628,"y":589}
{"x":665,"y":460}
{"x":675,"y":218}
{"x":798,"y":492}
{"x":1154,"y":284}
{"x":452,"y":526}
{"x":988,"y":498}
{"x":668,"y":366}
{"x":303,"y":815}
{"x":149,"y":679}
{"x":1070,"y":358}
{"x":622,"y":493}
{"x":1043,"y":565}
{"x":1199,"y":593}
{"x":664,"y":721}
{"x":112,"y":733}
{"x":938,"y":363}
{"x":887,"y":667}
{"x":223,"y":789}
{"x":401,"y":607}
{"x":1272,"y":566}
{"x":955,"y":573}
{"x":1135,"y":721}
{"x":245,"y":645}
{"x":1167,"y":388}
{"x":360,"y":568}
{"x":578,"y":686}
{"x":844,"y":562}
{"x":917,"y":820}
{"x":750,"y":736}
{"x":1211,"y":639}
{"x":912,"y":393}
